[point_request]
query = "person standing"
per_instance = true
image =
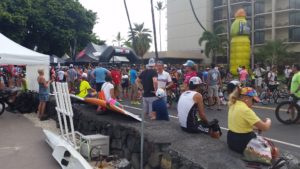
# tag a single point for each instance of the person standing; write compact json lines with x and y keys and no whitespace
{"x":60,"y":75}
{"x":133,"y":75}
{"x":258,"y":73}
{"x":125,"y":84}
{"x":287,"y":73}
{"x":295,"y":84}
{"x":164,"y":80}
{"x":100,"y":73}
{"x":213,"y":82}
{"x":71,"y":77}
{"x":244,"y":75}
{"x":190,"y":71}
{"x":272,"y":77}
{"x":43,"y":94}
{"x":116,"y":77}
{"x":148,"y":79}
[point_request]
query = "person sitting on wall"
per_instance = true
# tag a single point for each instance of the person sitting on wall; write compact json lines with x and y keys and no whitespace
{"x":85,"y":90}
{"x":159,"y":106}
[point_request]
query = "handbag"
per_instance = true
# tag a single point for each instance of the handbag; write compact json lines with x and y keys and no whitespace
{"x":258,"y":150}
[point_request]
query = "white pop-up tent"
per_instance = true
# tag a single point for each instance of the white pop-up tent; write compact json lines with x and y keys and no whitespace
{"x":15,"y":54}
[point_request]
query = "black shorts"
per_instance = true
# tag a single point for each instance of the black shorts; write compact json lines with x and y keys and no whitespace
{"x":125,"y":84}
{"x":99,"y":86}
{"x":238,"y":141}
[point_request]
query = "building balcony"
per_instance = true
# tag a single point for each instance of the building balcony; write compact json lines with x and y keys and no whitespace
{"x":286,"y":9}
{"x":267,"y":12}
{"x":265,"y":28}
{"x":239,"y":2}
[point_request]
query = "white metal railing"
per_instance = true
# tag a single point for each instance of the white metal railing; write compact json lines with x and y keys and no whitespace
{"x":64,"y":112}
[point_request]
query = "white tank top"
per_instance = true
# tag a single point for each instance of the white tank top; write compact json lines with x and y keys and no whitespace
{"x":185,"y":103}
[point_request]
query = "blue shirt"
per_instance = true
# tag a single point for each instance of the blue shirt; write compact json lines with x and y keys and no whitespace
{"x":133,"y":75}
{"x":100,"y":74}
{"x":160,"y":107}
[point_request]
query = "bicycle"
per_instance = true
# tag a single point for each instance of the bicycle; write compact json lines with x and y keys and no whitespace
{"x":288,"y":112}
{"x":268,"y":97}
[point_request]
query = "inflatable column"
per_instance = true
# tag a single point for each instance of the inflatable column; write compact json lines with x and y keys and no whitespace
{"x":240,"y":43}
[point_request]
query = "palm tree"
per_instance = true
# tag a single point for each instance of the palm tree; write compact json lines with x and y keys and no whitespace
{"x":214,"y":42}
{"x":119,"y":39}
{"x":274,"y":51}
{"x":160,"y":7}
{"x":154,"y":29}
{"x":142,"y":37}
{"x":129,"y":22}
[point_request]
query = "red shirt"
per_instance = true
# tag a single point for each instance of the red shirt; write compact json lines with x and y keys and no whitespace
{"x":116,"y":76}
{"x":188,"y":76}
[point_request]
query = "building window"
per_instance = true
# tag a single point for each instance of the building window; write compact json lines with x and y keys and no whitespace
{"x":218,"y":3}
{"x":295,"y":4}
{"x":259,"y":37}
{"x":294,"y":34}
{"x":259,"y":7}
{"x":294,"y":18}
{"x":218,"y":14}
{"x":248,"y":9}
{"x":259,"y":22}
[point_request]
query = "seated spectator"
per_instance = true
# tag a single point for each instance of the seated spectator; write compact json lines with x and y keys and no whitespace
{"x":85,"y":90}
{"x":191,"y":113}
{"x":242,"y":119}
{"x":107,"y":93}
{"x":159,"y":106}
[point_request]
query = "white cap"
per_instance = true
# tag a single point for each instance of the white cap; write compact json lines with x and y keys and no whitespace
{"x":151,"y":62}
{"x":195,"y":80}
{"x":160,"y":93}
{"x":84,"y":75}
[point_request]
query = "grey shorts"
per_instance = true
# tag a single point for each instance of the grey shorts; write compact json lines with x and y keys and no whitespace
{"x":213,"y":91}
{"x":147,"y":104}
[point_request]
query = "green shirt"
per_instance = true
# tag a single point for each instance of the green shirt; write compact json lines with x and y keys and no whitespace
{"x":295,"y":84}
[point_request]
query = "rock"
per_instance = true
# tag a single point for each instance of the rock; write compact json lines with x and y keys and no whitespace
{"x":116,"y":144}
{"x":135,"y":160}
{"x":133,"y":144}
{"x":154,"y":160}
{"x":124,"y":164}
{"x":116,"y":132}
{"x":166,"y":162}
{"x":127,"y":154}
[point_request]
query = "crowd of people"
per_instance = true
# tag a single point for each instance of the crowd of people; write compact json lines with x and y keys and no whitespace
{"x":154,"y":82}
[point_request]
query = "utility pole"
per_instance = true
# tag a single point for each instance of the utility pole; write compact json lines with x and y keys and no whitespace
{"x":228,"y":32}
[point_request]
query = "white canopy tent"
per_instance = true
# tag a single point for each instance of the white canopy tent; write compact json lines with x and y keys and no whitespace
{"x":15,"y":54}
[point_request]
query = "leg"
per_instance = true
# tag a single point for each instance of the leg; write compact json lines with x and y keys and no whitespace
{"x":145,"y":105}
{"x":42,"y":112}
{"x":210,"y":94}
{"x":216,"y":95}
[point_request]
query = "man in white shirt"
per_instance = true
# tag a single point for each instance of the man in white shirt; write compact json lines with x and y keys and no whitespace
{"x":60,"y":75}
{"x":258,"y":72}
{"x":287,"y":73}
{"x":164,"y":79}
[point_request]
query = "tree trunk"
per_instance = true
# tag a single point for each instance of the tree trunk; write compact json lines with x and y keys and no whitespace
{"x":160,"y":30}
{"x":154,"y":29}
{"x":129,"y":22}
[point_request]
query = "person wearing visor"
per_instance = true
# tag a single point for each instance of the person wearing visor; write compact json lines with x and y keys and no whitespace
{"x":190,"y":71}
{"x":242,"y":120}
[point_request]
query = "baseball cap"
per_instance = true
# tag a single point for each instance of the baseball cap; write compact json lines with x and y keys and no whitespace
{"x":71,"y":65}
{"x":84,"y":75}
{"x":160,"y":93}
{"x":151,"y":62}
{"x":195,"y":80}
{"x":189,"y":63}
{"x":160,"y":62}
{"x":248,"y":91}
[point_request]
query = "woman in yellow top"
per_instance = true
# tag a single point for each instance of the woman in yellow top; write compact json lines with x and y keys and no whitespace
{"x":242,"y":119}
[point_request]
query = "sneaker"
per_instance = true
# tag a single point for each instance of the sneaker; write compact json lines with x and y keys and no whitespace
{"x":137,"y":103}
{"x":132,"y":102}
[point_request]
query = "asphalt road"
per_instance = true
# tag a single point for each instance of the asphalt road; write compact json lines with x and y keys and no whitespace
{"x":22,"y":145}
{"x":286,"y":137}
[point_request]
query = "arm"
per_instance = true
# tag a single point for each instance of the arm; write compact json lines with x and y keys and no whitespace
{"x":199,"y":100}
{"x":112,"y":93}
{"x":155,"y":83}
{"x":170,"y":82}
{"x":263,"y":125}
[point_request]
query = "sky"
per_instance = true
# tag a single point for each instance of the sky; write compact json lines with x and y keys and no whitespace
{"x":112,"y":18}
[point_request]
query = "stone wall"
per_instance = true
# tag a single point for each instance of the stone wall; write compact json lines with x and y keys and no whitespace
{"x":125,"y":143}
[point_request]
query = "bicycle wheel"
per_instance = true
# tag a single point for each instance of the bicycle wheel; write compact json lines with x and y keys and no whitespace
{"x":206,"y":99}
{"x":287,"y":112}
{"x":2,"y":108}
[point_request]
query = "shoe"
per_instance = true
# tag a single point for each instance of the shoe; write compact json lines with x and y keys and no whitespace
{"x":137,"y":103}
{"x":44,"y":118}
{"x":132,"y":102}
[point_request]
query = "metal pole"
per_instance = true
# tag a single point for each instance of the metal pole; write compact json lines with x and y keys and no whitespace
{"x":142,"y":142}
{"x":252,"y":33}
{"x":154,"y":30}
{"x":228,"y":32}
